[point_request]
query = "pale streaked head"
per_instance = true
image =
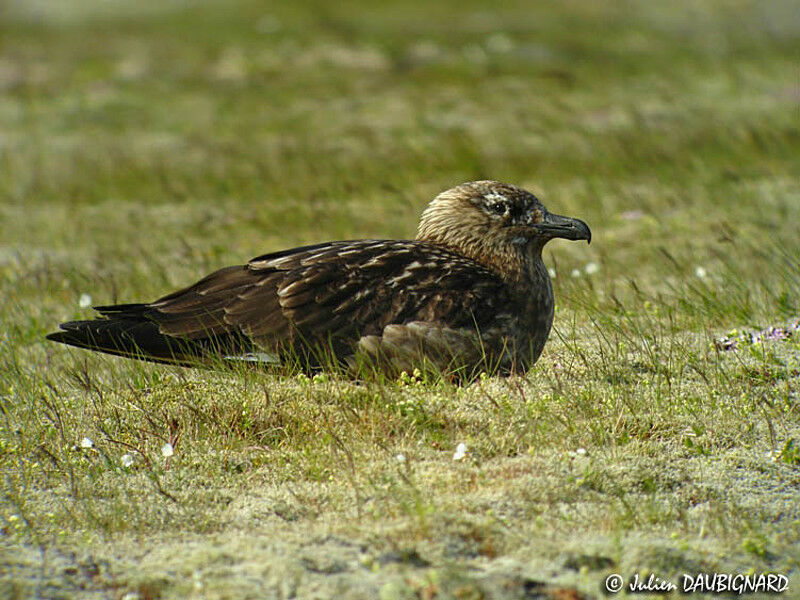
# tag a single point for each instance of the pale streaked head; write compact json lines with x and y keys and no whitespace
{"x":488,"y":216}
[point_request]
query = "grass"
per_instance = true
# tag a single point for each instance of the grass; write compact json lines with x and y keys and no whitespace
{"x":144,"y":144}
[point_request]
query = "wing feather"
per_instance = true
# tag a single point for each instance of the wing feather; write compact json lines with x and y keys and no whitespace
{"x":335,"y":292}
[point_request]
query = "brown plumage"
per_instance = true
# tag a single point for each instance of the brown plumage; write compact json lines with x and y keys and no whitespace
{"x":470,"y":293}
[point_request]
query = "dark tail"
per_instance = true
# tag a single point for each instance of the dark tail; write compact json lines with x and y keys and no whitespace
{"x":126,"y":331}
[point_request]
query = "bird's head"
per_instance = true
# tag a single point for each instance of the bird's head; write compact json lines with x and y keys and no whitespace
{"x":492,"y":222}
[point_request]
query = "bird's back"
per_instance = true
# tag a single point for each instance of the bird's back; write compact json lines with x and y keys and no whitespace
{"x":339,"y":297}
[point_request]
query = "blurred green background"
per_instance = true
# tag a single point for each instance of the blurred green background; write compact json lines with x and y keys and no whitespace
{"x":234,"y":128}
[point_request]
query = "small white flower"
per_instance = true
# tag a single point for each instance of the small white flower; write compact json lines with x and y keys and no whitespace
{"x":126,"y":460}
{"x":197,"y":580}
{"x":85,"y":301}
{"x":581,"y":451}
{"x":461,"y":451}
{"x":575,"y":273}
{"x":552,"y":272}
{"x":167,"y":450}
{"x":87,"y":443}
{"x":700,"y":272}
{"x":401,"y":458}
{"x":591,"y":268}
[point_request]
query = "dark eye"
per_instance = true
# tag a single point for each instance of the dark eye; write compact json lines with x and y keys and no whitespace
{"x":498,"y":208}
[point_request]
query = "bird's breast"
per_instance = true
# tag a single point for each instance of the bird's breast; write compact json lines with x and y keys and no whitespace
{"x":534,"y":314}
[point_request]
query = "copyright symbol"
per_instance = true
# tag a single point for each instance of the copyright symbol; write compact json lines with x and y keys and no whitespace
{"x":614,"y":583}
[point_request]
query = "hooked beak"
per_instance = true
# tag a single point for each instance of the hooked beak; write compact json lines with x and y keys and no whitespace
{"x":557,"y":226}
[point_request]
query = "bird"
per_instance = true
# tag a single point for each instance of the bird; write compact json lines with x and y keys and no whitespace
{"x":470,"y":294}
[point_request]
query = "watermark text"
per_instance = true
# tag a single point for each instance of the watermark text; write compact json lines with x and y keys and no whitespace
{"x":699,"y":583}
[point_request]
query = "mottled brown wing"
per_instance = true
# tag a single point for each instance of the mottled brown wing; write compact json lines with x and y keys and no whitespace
{"x":333,"y":293}
{"x":202,"y":310}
